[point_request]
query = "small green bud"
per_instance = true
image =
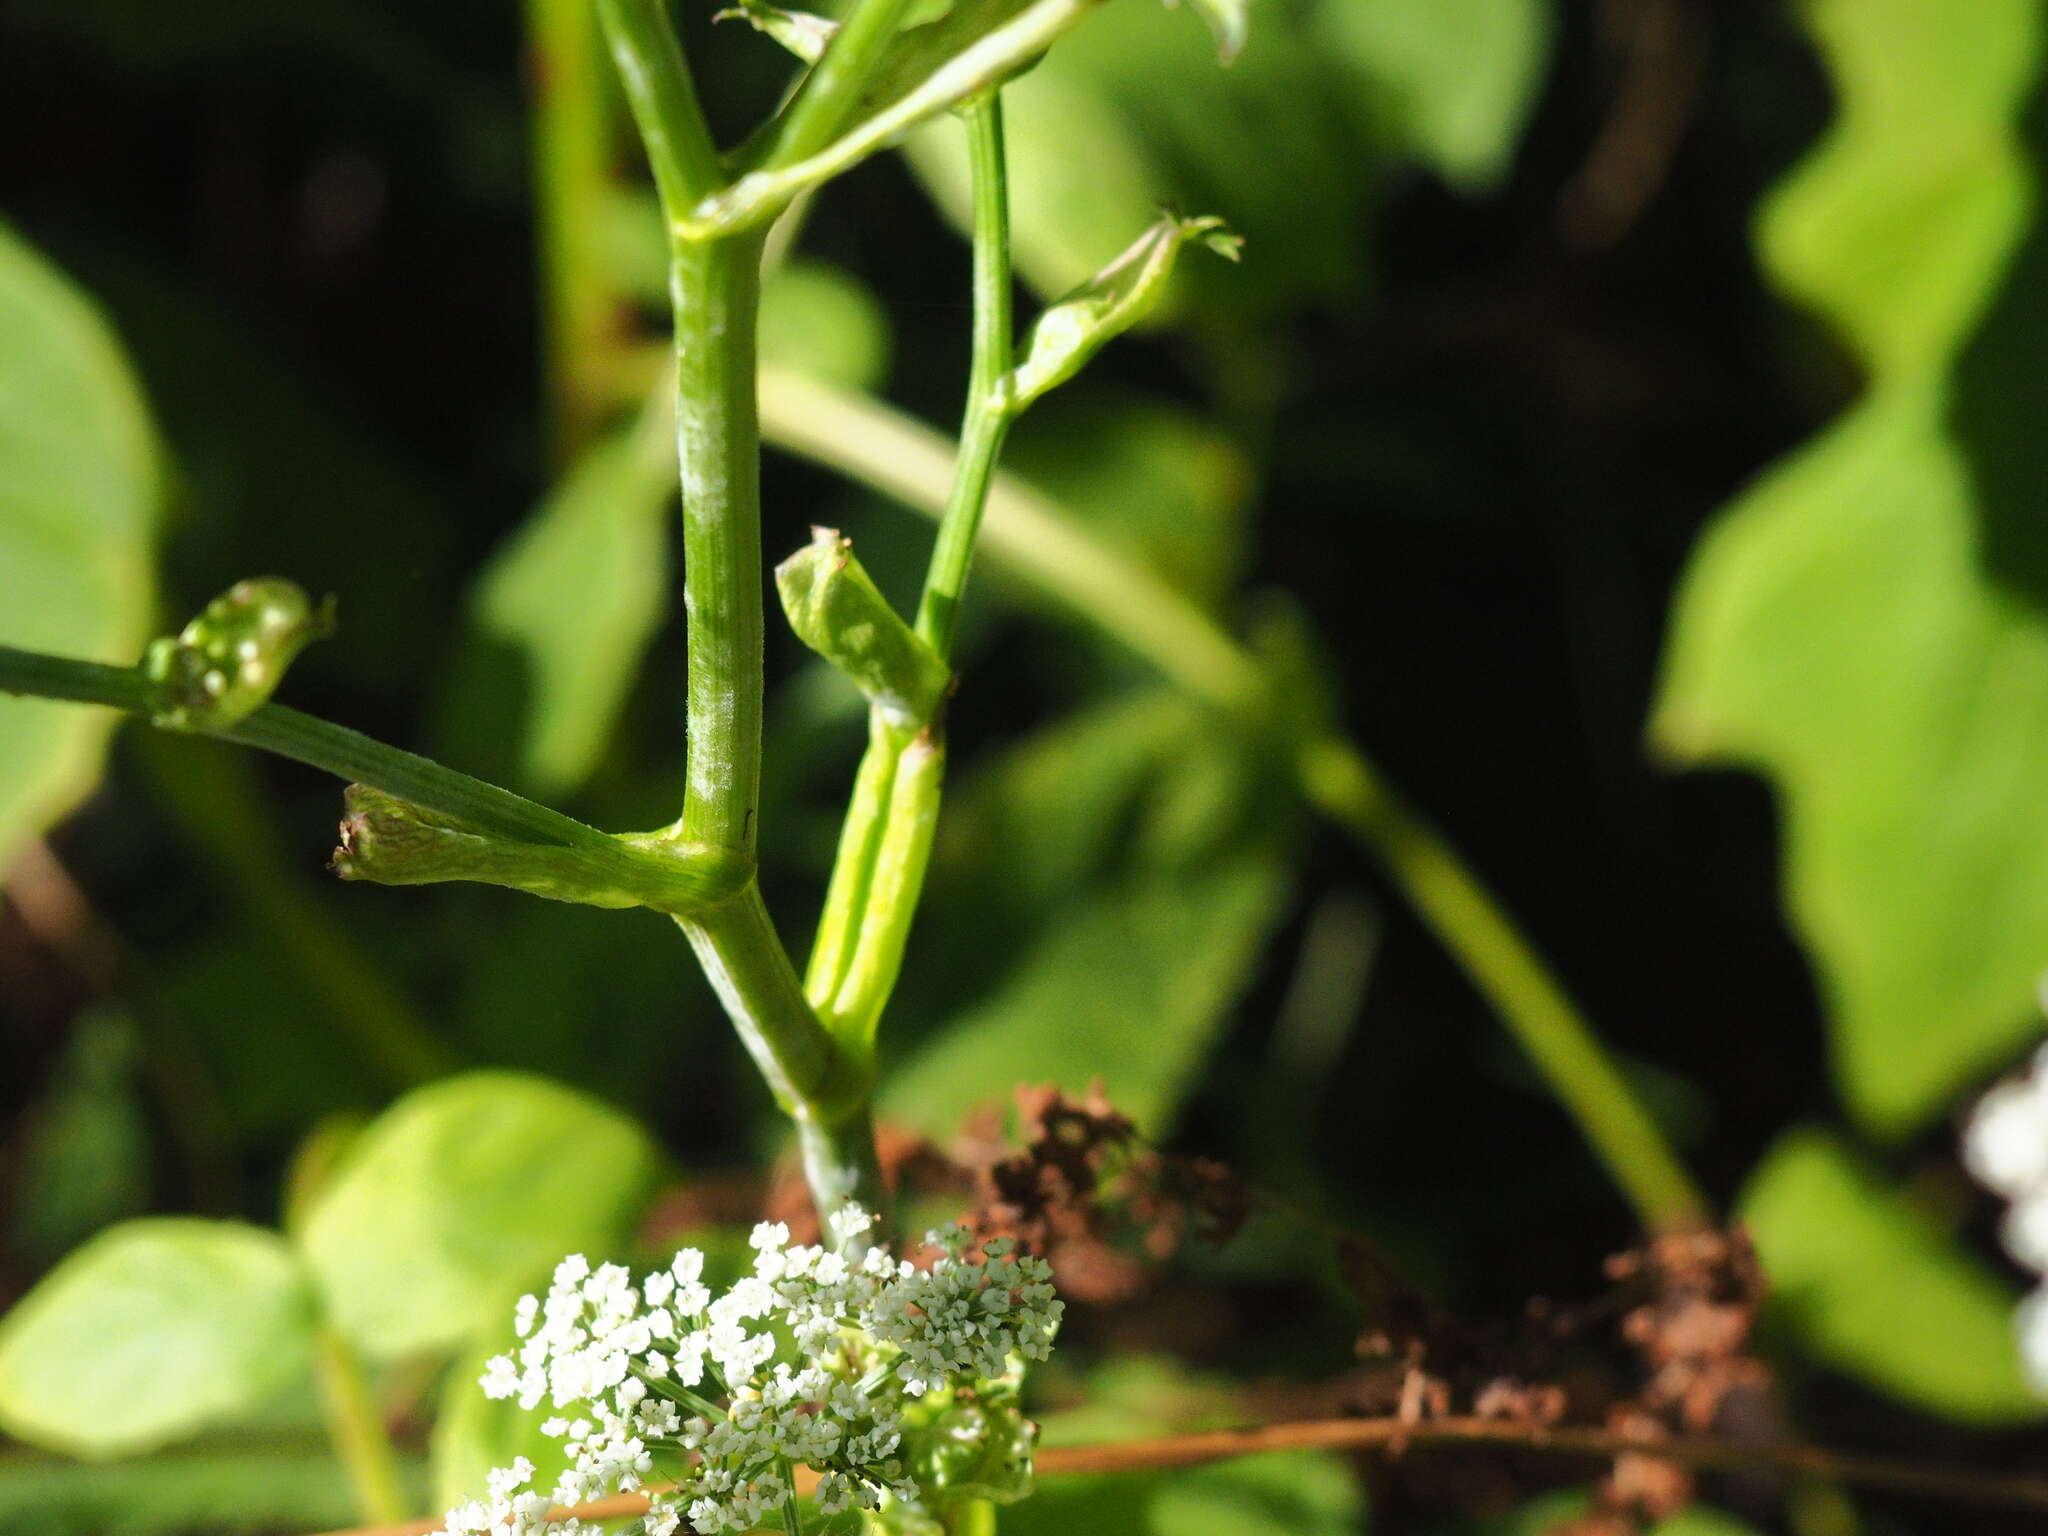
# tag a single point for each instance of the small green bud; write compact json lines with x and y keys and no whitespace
{"x":836,"y":609}
{"x":226,"y":663}
{"x":1076,"y":327}
{"x":802,"y":33}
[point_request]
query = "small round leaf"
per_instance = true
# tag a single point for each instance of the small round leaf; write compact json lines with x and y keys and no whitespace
{"x":152,"y":1331}
{"x":460,"y":1195}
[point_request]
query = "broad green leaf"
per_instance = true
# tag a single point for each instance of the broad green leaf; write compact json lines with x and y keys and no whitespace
{"x":1130,"y":985}
{"x":1871,"y":1287}
{"x":151,"y":1332}
{"x":1158,"y":481}
{"x":823,"y":319}
{"x":573,"y":598}
{"x":1835,"y":629}
{"x":79,"y":467}
{"x":1450,"y":80}
{"x":199,"y":1490}
{"x":1137,"y":886}
{"x":461,"y":1194}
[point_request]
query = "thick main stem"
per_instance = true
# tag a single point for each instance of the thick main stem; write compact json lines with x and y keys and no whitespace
{"x":716,"y":289}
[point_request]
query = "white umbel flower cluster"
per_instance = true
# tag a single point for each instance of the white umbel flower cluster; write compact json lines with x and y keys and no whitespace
{"x":809,"y":1361}
{"x":2005,"y":1145}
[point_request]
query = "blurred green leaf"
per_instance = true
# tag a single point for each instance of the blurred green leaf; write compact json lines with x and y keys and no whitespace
{"x":79,"y":460}
{"x":152,"y":1331}
{"x":1554,"y":1511}
{"x":1156,"y":480}
{"x":821,"y":318}
{"x":460,"y":1194}
{"x":1835,"y":630}
{"x":84,"y":1158}
{"x":1872,"y":1288}
{"x":1453,"y":81}
{"x":1122,"y":860}
{"x":572,"y":599}
{"x":229,"y":1490}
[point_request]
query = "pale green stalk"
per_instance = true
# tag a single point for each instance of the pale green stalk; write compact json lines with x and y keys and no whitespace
{"x":355,"y":1426}
{"x":886,"y":844}
{"x":580,"y":313}
{"x":987,"y":418}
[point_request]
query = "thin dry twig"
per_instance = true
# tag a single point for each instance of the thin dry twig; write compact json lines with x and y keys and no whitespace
{"x":1203,"y":1446}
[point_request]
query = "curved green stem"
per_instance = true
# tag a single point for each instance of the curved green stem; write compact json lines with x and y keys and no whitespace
{"x":1032,"y":535}
{"x":987,"y":418}
{"x":832,"y":88}
{"x":1336,"y":778}
{"x":355,"y":1426}
{"x":886,"y":844}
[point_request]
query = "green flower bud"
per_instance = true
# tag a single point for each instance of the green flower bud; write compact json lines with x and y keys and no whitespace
{"x":836,"y":609}
{"x":227,"y":662}
{"x":1075,"y":328}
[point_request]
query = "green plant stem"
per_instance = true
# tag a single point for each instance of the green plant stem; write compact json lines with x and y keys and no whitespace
{"x":714,"y":286}
{"x":878,"y":874}
{"x":1037,"y":539}
{"x":974,"y":1517}
{"x":826,"y":1095}
{"x":656,"y":77}
{"x":356,"y":1428}
{"x":317,"y":743}
{"x":579,"y":310}
{"x":717,"y":292}
{"x":832,"y":88}
{"x":662,"y":872}
{"x":987,"y":418}
{"x":1026,"y":531}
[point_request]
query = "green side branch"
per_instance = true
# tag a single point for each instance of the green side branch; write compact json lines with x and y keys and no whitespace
{"x":409,"y":808}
